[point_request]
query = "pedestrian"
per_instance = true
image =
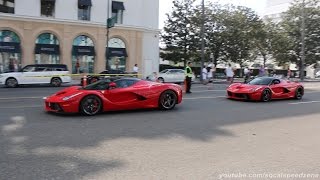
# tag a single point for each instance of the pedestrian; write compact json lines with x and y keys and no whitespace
{"x":188,"y":74}
{"x":210,"y":76}
{"x":289,"y":74}
{"x":247,"y":74}
{"x":261,"y":71}
{"x":136,"y":69}
{"x":230,"y":73}
{"x":204,"y":75}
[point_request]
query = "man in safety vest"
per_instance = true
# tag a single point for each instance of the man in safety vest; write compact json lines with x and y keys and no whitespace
{"x":188,"y":73}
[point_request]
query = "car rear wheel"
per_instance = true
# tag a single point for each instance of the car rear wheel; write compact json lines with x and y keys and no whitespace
{"x":90,"y":105}
{"x":56,"y":82}
{"x":11,"y":83}
{"x":299,"y":93}
{"x":168,"y":100}
{"x":266,"y":95}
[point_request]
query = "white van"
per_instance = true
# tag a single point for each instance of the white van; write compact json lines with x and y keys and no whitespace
{"x":54,"y":74}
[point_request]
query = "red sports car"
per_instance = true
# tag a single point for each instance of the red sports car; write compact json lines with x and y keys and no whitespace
{"x":265,"y":89}
{"x":113,"y":95}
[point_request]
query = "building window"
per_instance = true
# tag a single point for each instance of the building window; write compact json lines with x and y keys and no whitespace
{"x":117,"y":11}
{"x":84,"y":10}
{"x":10,"y":52}
{"x":7,"y":6}
{"x":47,"y":49}
{"x":83,"y":55}
{"x":116,"y":55}
{"x":47,"y":8}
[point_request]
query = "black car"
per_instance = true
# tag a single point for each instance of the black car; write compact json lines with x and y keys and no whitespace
{"x":106,"y":73}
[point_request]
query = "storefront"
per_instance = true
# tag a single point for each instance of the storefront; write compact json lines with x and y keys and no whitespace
{"x":83,"y":55}
{"x":47,"y":49}
{"x":116,"y":54}
{"x":10,"y":52}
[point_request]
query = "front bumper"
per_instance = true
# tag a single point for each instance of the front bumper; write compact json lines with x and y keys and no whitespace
{"x":243,"y":95}
{"x":61,"y":106}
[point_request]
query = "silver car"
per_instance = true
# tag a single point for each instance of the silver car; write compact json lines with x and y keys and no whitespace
{"x":169,"y":75}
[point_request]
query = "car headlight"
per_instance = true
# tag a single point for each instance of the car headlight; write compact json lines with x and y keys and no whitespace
{"x":72,"y":96}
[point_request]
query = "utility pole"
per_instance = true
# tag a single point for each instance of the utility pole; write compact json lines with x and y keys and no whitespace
{"x":202,"y":41}
{"x":303,"y":34}
{"x":107,"y":49}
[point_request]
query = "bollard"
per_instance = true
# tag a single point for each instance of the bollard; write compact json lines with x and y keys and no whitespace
{"x":84,"y":83}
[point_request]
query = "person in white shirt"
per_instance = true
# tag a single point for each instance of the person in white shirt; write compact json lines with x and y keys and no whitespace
{"x":230,"y":73}
{"x":204,"y":75}
{"x":247,"y":74}
{"x":135,"y":68}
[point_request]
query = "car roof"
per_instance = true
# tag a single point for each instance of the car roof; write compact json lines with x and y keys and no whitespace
{"x":48,"y":65}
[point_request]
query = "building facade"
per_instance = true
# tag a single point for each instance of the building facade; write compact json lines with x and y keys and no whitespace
{"x":275,"y":8}
{"x":73,"y":32}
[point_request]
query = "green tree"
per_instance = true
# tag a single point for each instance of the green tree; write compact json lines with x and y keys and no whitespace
{"x":291,"y":24}
{"x":178,"y":36}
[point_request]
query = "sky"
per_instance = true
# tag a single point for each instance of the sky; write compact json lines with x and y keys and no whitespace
{"x":257,"y":5}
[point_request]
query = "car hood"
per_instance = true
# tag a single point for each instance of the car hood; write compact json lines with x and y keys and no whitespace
{"x":10,"y":74}
{"x":244,"y":87}
{"x":67,"y":92}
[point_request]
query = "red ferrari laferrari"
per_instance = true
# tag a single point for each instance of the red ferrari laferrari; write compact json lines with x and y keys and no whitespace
{"x":265,"y":89}
{"x":113,"y":95}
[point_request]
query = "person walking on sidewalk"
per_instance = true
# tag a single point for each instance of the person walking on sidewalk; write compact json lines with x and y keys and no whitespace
{"x":230,"y":73}
{"x":204,"y":75}
{"x":188,"y":74}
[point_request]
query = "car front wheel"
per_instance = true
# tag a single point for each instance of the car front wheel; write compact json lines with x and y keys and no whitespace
{"x":56,"y":82}
{"x":168,"y":100}
{"x":90,"y":105}
{"x":266,"y":95}
{"x":299,"y":93}
{"x":11,"y":83}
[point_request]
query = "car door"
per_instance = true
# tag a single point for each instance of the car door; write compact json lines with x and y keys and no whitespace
{"x":123,"y":96}
{"x":277,"y":89}
{"x":29,"y":75}
{"x":173,"y":75}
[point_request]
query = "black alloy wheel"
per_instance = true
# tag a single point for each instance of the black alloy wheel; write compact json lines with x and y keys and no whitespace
{"x":168,"y":100}
{"x":91,"y":105}
{"x":11,"y":83}
{"x":266,"y":95}
{"x":299,"y":93}
{"x":56,"y":82}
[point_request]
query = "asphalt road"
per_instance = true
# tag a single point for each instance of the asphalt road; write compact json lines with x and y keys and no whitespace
{"x":206,"y":137}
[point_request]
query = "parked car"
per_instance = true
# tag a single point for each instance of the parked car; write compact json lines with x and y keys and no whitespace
{"x":169,"y":75}
{"x":54,"y":74}
{"x":107,"y":73}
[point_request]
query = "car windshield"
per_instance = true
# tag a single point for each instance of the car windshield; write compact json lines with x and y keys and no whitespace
{"x":99,"y":85}
{"x":164,"y":71}
{"x":261,"y":81}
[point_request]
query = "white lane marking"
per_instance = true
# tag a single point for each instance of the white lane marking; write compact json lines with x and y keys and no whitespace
{"x":306,"y":102}
{"x":209,"y":91}
{"x":209,"y":97}
{"x":17,"y":98}
{"x":21,"y":107}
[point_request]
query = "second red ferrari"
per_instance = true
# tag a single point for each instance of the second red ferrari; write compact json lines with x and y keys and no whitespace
{"x":265,"y":89}
{"x":112,"y":94}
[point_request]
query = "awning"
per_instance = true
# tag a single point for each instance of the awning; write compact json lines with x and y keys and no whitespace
{"x":83,"y":50}
{"x":47,"y":49}
{"x":84,"y":3}
{"x":117,"y":5}
{"x":116,"y":52}
{"x":10,"y":47}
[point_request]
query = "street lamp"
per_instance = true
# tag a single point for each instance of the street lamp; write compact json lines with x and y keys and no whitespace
{"x":202,"y":40}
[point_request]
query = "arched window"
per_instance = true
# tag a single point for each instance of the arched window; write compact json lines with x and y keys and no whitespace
{"x":116,"y":54}
{"x":47,"y":49}
{"x":83,"y":55}
{"x":10,"y":51}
